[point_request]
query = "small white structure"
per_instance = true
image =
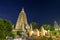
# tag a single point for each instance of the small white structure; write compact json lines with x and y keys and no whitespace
{"x":43,"y":32}
{"x":56,"y":25}
{"x":36,"y":32}
{"x":31,"y":33}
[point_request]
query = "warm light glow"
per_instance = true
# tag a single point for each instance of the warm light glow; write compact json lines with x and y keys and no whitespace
{"x":32,"y":32}
{"x":38,"y":33}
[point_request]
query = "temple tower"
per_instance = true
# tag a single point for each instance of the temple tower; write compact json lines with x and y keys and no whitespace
{"x":56,"y":26}
{"x":22,"y":24}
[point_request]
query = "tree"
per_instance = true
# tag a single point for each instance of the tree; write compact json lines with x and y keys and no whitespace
{"x":5,"y":28}
{"x":19,"y":33}
{"x":55,"y":32}
{"x":35,"y":25}
{"x":48,"y":27}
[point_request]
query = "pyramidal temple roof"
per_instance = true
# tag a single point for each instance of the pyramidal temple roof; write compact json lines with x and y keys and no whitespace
{"x":22,"y":20}
{"x":22,"y":9}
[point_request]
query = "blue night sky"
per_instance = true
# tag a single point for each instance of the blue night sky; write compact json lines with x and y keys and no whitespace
{"x":40,"y":11}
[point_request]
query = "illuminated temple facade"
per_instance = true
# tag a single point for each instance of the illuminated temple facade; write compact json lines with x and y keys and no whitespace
{"x":22,"y":25}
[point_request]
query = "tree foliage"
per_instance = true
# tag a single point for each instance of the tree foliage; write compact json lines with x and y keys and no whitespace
{"x":48,"y":27}
{"x":5,"y":28}
{"x":55,"y":32}
{"x":19,"y":33}
{"x":35,"y":25}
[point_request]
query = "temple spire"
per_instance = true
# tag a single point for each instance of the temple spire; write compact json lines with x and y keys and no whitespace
{"x":56,"y":26}
{"x":22,"y":10}
{"x":22,"y":21}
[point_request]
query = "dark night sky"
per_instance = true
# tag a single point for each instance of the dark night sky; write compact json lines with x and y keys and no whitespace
{"x":40,"y":11}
